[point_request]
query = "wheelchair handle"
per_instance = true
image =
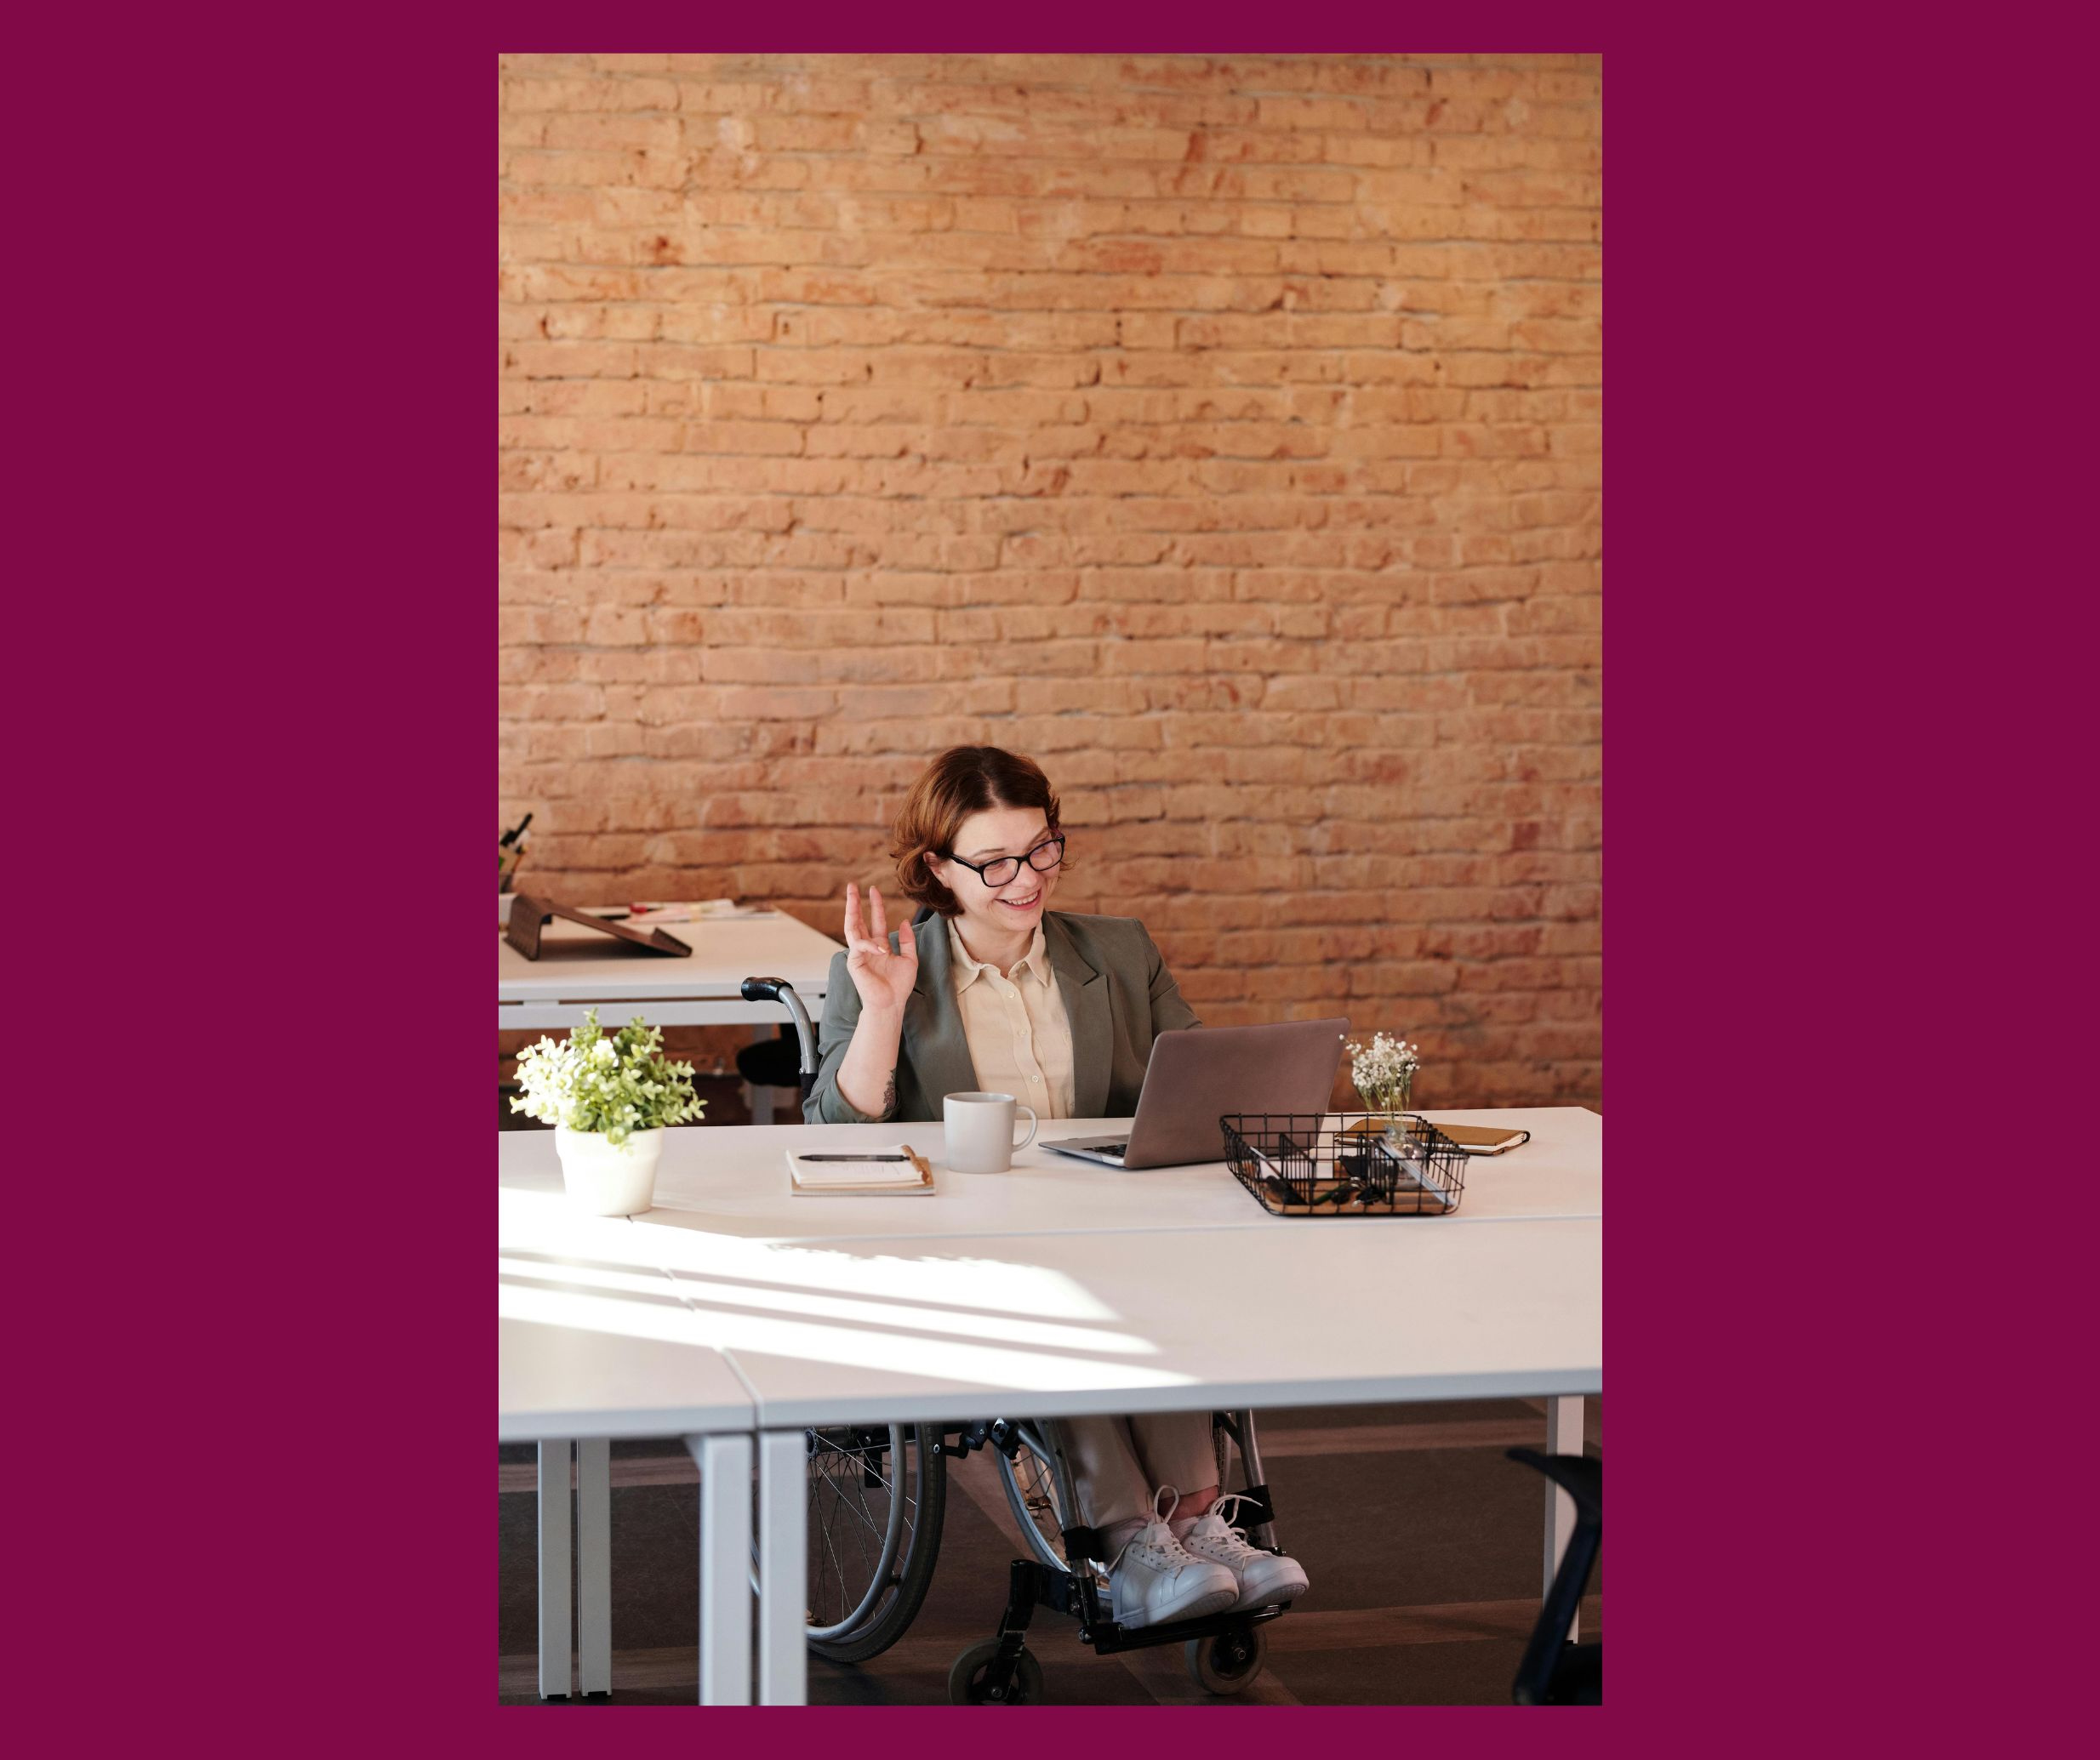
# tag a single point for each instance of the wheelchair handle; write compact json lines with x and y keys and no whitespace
{"x":778,"y":989}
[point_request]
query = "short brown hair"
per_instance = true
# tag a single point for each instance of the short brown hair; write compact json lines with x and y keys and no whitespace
{"x":963,"y":780}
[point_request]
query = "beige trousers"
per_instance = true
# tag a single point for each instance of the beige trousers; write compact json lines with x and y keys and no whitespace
{"x":1118,"y":1463}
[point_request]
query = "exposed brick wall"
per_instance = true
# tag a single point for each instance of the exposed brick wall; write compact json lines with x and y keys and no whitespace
{"x":1223,"y":432}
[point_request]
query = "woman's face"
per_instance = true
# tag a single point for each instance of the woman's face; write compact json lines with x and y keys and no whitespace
{"x":1016,"y":906}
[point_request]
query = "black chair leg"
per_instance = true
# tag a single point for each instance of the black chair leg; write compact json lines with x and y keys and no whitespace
{"x":1555,"y":1671}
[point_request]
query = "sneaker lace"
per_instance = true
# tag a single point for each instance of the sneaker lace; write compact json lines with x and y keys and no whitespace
{"x":1225,"y":1509}
{"x":1155,"y":1534}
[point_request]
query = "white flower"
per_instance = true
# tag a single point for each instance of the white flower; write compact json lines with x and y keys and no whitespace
{"x":1382,"y":1069}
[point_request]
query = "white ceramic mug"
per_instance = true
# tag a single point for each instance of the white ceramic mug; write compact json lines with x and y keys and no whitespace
{"x":980,"y":1131}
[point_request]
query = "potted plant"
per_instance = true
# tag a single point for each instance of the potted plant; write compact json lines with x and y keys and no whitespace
{"x":609,"y":1100}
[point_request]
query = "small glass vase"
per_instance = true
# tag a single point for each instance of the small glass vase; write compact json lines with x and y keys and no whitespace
{"x":1399,"y":1101}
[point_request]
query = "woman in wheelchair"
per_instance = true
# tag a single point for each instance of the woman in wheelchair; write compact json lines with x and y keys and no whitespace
{"x":1006,"y":995}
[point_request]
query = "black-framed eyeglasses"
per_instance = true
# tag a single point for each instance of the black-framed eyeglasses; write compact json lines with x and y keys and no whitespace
{"x":1047,"y":855}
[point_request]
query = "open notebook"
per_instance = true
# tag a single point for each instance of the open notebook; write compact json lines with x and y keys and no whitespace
{"x":896,"y":1168}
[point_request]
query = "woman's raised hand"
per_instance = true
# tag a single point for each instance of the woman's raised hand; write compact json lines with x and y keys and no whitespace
{"x":883,"y":979}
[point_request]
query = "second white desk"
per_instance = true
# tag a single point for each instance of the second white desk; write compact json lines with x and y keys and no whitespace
{"x":592,"y":1343}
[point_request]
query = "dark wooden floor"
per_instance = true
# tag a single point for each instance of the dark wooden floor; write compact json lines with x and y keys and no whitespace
{"x":1422,"y":1543}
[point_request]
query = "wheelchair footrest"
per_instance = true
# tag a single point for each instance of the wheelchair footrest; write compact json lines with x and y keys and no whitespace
{"x":1108,"y":1638}
{"x":1031,"y":1586}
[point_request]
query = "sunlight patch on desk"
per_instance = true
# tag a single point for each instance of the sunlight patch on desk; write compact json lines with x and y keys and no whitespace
{"x":630,"y":1315}
{"x":997,"y":1286}
{"x":859,"y":1346}
{"x":814,"y":1305}
{"x":588,"y":1277}
{"x":548,"y":1222}
{"x":585,"y":1276}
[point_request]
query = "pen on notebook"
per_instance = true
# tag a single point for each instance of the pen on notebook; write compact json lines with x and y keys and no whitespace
{"x":852,"y":1157}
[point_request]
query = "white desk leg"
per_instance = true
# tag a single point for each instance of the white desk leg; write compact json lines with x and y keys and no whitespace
{"x":553,"y":1579}
{"x":760,"y":1099}
{"x":783,"y":1573}
{"x":594,"y":1565}
{"x":725,"y":1463}
{"x":1564,"y":1436}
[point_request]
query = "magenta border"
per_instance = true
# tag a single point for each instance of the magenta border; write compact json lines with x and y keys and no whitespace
{"x":345,"y":177}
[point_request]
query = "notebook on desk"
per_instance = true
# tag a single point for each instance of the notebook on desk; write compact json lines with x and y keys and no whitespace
{"x":1197,"y":1075}
{"x":896,"y":1168}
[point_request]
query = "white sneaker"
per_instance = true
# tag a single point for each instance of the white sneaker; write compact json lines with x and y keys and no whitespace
{"x":1154,"y":1579}
{"x":1264,"y":1579}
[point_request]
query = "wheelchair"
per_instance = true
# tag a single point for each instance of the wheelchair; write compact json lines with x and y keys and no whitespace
{"x":877,"y":1494}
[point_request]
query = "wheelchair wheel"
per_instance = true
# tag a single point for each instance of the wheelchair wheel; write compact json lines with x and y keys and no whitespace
{"x":967,"y":1683}
{"x":1227,"y":1663}
{"x":1031,"y":1489}
{"x":876,"y":1493}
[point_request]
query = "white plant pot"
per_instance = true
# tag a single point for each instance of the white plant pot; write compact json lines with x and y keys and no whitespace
{"x":607,"y":1180}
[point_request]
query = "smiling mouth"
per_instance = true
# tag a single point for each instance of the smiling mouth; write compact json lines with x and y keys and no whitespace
{"x":1029,"y":904}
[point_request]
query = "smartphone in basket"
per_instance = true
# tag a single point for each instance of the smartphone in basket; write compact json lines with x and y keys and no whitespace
{"x":1484,"y":1139}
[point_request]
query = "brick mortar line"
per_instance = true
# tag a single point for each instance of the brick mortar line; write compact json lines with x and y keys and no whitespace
{"x":776,"y":67}
{"x":963,"y":154}
{"x":1126,"y":97}
{"x":1019,"y":77}
{"x":1173,"y":312}
{"x":1550,"y":281}
{"x":876,"y":115}
{"x":853,"y":228}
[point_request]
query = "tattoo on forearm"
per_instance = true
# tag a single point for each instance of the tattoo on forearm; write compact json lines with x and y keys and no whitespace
{"x":889,"y":1093}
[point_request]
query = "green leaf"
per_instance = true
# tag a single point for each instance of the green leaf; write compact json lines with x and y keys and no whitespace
{"x":633,"y":1087}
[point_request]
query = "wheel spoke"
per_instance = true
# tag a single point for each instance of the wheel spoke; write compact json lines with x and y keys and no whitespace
{"x":826,"y":1488}
{"x":857,"y":1505}
{"x":860,"y":1540}
{"x":838,"y":1570}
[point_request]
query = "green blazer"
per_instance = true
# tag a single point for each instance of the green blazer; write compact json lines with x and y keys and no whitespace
{"x":1117,"y":993}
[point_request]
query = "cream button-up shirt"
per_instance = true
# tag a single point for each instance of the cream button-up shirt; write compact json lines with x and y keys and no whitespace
{"x":1020,"y":1036}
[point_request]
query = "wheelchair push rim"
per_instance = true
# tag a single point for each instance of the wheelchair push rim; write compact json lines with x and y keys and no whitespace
{"x":1031,"y":1489}
{"x":855,"y":1538}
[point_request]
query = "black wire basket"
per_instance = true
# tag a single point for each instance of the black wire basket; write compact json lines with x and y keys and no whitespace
{"x":1345,"y":1163}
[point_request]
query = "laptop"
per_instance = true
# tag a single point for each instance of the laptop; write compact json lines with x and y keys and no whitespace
{"x":1198,"y":1074}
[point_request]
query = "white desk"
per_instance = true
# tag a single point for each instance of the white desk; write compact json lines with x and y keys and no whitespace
{"x":734,"y":1181}
{"x":591,"y":1343}
{"x":958,"y":1327}
{"x":1039,"y":1292}
{"x":1052,"y":1325}
{"x":579,"y":970}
